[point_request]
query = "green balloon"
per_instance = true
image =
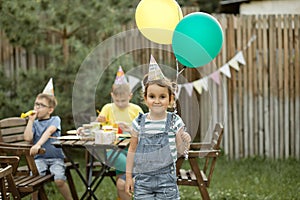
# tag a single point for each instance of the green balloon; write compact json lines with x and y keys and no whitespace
{"x":197,"y":39}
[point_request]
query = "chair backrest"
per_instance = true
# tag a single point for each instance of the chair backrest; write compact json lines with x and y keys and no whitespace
{"x":6,"y":178}
{"x":217,"y":136}
{"x":12,"y":129}
{"x":210,"y":162}
{"x":3,"y":173}
{"x":21,"y":186}
{"x":10,"y":160}
{"x":21,"y":150}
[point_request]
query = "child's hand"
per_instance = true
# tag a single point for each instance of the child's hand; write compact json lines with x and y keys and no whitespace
{"x":129,"y":189}
{"x":32,"y":116}
{"x":101,"y":118}
{"x":185,"y":136}
{"x":124,"y":126}
{"x":35,"y":149}
{"x":80,"y":131}
{"x":183,"y":140}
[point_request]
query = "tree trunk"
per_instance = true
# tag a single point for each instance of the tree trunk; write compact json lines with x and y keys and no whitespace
{"x":65,"y":46}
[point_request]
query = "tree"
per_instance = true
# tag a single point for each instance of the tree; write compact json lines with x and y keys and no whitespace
{"x":35,"y":24}
{"x":209,"y":6}
{"x":64,"y":31}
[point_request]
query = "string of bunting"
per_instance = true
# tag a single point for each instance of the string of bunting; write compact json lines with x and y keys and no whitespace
{"x":202,"y":84}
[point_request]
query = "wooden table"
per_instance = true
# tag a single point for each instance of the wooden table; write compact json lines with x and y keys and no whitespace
{"x":98,"y":152}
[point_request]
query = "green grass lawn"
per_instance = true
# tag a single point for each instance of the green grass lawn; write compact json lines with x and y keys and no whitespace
{"x":251,"y":178}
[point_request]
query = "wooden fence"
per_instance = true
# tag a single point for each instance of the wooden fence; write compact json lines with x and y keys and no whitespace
{"x":259,"y":104}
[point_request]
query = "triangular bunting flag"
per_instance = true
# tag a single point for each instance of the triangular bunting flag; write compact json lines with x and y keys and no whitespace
{"x":197,"y":86}
{"x":226,"y":70}
{"x":189,"y":88}
{"x":132,"y":81}
{"x":215,"y":77}
{"x":120,"y":77}
{"x":240,"y":58}
{"x":233,"y":63}
{"x":49,"y":89}
{"x":177,"y":93}
{"x":204,"y":83}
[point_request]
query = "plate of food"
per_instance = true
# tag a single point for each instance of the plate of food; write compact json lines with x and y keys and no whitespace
{"x":72,"y":132}
{"x":68,"y":137}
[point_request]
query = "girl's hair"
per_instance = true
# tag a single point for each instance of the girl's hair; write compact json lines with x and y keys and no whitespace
{"x":50,"y":98}
{"x":121,"y":89}
{"x":162,"y":83}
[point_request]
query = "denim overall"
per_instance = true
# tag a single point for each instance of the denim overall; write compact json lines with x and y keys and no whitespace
{"x":154,"y":166}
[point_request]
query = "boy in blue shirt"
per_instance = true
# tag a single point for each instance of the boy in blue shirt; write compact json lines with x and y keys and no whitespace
{"x":39,"y":130}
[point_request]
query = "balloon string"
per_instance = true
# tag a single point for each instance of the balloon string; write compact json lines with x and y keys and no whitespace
{"x":177,"y":74}
{"x":177,"y":71}
{"x":176,"y":82}
{"x":249,"y":42}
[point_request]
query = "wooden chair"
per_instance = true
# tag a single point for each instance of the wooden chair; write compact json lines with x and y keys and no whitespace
{"x":12,"y":130}
{"x":6,"y":177}
{"x":201,"y":177}
{"x":24,"y":184}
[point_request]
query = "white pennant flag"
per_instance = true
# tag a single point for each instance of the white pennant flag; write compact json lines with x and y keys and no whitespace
{"x":226,"y":70}
{"x":189,"y":88}
{"x":177,"y":93}
{"x":197,"y":86}
{"x":233,"y":63}
{"x":204,"y":83}
{"x":240,"y":58}
{"x":133,"y":81}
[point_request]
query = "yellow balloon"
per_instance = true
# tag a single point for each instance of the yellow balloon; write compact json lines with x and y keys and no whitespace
{"x":157,"y":19}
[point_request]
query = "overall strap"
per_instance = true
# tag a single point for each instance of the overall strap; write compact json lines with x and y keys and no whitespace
{"x":141,"y":121}
{"x":170,"y":122}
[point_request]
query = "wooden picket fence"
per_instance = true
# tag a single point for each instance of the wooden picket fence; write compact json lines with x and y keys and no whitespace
{"x":259,"y":104}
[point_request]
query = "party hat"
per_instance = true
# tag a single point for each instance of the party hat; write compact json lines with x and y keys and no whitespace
{"x":120,"y":77}
{"x":155,"y":72}
{"x":49,"y":88}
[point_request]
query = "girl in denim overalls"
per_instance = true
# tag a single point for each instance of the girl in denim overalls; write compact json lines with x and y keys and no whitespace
{"x":152,"y":153}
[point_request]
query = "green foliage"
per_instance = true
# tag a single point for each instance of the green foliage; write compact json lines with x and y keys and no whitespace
{"x":256,"y":178}
{"x":246,"y":179}
{"x":211,"y":6}
{"x":253,"y":178}
{"x":21,"y":15}
{"x":5,"y":83}
{"x":47,"y":28}
{"x":67,"y":19}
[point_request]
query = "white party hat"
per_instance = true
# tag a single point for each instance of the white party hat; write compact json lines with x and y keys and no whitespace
{"x":155,"y":72}
{"x":49,"y":89}
{"x":120,"y":77}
